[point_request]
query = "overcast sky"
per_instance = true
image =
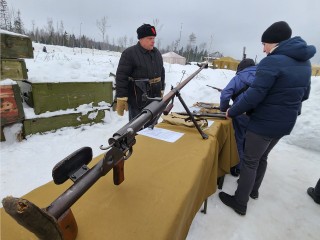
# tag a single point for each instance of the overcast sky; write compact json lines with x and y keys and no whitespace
{"x":233,"y":23}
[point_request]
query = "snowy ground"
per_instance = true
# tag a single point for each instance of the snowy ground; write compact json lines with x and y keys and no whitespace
{"x":283,"y":210}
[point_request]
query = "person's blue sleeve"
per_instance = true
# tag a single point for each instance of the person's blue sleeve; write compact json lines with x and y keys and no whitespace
{"x":265,"y":77}
{"x":226,"y":95}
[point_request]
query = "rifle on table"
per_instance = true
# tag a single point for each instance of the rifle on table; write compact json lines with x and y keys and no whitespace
{"x":205,"y":115}
{"x":219,"y":89}
{"x":206,"y":105}
{"x":56,"y":221}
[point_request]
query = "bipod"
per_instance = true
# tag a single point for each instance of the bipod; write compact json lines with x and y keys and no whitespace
{"x":177,"y":93}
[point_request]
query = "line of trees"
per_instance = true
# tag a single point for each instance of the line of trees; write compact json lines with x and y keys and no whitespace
{"x":58,"y":35}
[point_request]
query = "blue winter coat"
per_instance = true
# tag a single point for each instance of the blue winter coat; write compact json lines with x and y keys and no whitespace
{"x":282,"y":82}
{"x":237,"y":83}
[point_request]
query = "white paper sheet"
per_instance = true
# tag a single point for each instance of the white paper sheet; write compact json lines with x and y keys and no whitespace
{"x":210,"y":122}
{"x":161,"y":134}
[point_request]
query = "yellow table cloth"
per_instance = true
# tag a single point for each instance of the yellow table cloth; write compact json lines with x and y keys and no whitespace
{"x":165,"y":185}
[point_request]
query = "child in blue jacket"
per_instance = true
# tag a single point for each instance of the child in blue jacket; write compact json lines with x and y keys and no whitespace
{"x":233,"y":91}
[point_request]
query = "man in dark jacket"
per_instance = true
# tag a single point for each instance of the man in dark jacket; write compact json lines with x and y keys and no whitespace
{"x":234,"y":91}
{"x":140,"y":72}
{"x":282,"y":82}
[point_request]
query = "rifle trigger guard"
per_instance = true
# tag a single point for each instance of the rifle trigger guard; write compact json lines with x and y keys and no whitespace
{"x":128,"y":153}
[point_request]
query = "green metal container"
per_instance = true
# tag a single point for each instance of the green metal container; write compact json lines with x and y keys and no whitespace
{"x":41,"y":125}
{"x":15,"y":46}
{"x":14,"y":69}
{"x":51,"y":97}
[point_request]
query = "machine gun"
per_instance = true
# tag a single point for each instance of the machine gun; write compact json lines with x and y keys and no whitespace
{"x":56,"y":221}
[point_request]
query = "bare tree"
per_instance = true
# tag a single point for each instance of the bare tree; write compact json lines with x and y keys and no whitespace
{"x":191,"y":42}
{"x":102,"y":26}
{"x":158,"y":27}
{"x":131,"y":41}
{"x":50,"y":30}
{"x":122,"y":42}
{"x":178,"y":42}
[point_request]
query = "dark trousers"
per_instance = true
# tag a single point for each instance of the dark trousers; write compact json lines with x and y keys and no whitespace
{"x":133,"y":111}
{"x":240,"y":124}
{"x":254,"y":165}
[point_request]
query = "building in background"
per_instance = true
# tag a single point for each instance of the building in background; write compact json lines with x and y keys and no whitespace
{"x":173,"y":58}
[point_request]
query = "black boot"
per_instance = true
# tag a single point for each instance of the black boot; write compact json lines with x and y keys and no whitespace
{"x":310,"y":191}
{"x":235,"y":171}
{"x":254,"y":195}
{"x":231,"y":202}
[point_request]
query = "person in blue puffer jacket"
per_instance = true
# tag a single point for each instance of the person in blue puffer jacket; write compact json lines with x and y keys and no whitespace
{"x":281,"y":84}
{"x":234,"y":91}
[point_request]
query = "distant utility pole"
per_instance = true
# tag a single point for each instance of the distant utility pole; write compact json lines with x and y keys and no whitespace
{"x":244,"y":55}
{"x":180,"y":36}
{"x":211,"y":41}
{"x":80,"y":39}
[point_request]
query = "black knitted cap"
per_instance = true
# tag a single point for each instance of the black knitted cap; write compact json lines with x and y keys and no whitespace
{"x":146,"y":30}
{"x":277,"y":32}
{"x":248,"y":62}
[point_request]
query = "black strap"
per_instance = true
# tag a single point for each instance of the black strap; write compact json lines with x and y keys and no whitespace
{"x":234,"y":96}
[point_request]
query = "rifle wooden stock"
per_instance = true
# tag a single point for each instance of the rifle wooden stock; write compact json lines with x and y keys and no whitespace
{"x":38,"y":221}
{"x":56,"y":222}
{"x":68,"y":225}
{"x":118,"y":173}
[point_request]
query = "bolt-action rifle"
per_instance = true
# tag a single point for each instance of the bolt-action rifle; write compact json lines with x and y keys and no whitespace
{"x":56,"y":221}
{"x":221,"y":115}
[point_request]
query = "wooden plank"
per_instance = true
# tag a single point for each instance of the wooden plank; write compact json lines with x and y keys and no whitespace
{"x":41,"y":125}
{"x":11,"y":104}
{"x":15,"y":46}
{"x":14,"y":69}
{"x":62,"y":96}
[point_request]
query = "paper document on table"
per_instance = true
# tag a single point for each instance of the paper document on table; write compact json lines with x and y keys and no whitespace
{"x":161,"y":134}
{"x":210,"y":122}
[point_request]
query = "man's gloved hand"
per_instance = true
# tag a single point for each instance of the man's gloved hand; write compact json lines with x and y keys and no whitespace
{"x":122,"y":104}
{"x":162,"y":92}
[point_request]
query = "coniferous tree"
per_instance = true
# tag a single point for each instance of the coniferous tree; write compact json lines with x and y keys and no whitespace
{"x":17,"y":24}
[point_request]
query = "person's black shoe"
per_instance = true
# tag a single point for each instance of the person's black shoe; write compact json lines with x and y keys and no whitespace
{"x":310,"y":191}
{"x":235,"y":171}
{"x":231,"y":202}
{"x":254,"y":195}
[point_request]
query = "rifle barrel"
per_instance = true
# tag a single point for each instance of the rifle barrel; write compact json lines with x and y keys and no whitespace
{"x":171,"y":94}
